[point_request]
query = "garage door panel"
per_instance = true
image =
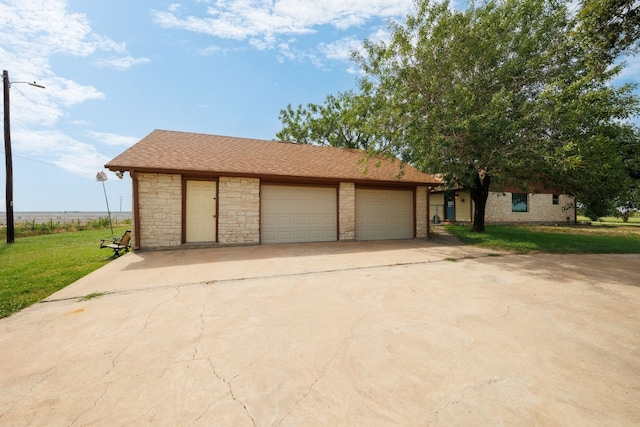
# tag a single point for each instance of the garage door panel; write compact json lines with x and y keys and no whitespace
{"x":298,"y":214}
{"x":384,"y":214}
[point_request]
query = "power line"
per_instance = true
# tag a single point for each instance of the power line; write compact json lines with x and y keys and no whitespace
{"x":28,"y":99}
{"x":33,"y":160}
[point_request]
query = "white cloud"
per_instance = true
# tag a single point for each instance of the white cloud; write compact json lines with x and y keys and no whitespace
{"x":43,"y":107}
{"x":112,"y":139}
{"x":121,"y":64}
{"x":82,"y":123}
{"x":33,"y":33}
{"x":340,"y":49}
{"x":209,"y":50}
{"x":68,"y":93}
{"x":45,"y":27}
{"x":265,"y":23}
{"x":57,"y":148}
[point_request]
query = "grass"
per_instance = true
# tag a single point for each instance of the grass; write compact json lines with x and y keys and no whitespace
{"x":634,"y":220}
{"x":35,"y":267}
{"x":92,"y":295}
{"x":601,"y":239}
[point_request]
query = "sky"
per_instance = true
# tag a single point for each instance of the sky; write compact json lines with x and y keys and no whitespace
{"x":116,"y":70}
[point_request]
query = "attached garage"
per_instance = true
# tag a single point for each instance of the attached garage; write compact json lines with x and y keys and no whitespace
{"x":298,"y":214}
{"x":384,"y":214}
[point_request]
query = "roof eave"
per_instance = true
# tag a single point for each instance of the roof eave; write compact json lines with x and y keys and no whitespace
{"x":268,"y":177}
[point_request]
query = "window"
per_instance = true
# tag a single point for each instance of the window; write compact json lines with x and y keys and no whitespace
{"x":519,"y":202}
{"x":556,"y":199}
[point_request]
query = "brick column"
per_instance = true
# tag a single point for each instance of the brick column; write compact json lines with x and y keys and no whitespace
{"x":347,"y":211}
{"x":421,"y":212}
{"x":238,"y":211}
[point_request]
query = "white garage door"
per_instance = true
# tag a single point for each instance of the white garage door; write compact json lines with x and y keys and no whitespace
{"x":384,"y":214}
{"x":298,"y":214}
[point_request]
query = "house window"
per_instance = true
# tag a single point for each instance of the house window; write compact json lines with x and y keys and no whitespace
{"x":556,"y":199}
{"x":519,"y":202}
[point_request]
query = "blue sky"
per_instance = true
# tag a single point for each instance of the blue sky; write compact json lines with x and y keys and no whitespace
{"x":116,"y":70}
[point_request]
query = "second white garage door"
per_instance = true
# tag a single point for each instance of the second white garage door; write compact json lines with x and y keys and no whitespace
{"x":298,"y":214}
{"x":384,"y":214}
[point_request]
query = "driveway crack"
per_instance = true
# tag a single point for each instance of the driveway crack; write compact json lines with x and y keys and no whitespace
{"x":160,"y":287}
{"x":231,"y":393}
{"x":326,"y":365}
{"x":114,"y":361}
{"x":194,"y":356}
{"x":488,"y":381}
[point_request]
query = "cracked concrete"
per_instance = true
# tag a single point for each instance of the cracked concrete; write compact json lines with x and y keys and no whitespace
{"x":376,"y":333}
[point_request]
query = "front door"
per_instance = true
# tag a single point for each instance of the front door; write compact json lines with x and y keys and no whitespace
{"x":201,"y":211}
{"x":450,"y":207}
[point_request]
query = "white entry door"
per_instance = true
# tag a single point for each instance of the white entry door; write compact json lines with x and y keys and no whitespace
{"x":201,"y":211}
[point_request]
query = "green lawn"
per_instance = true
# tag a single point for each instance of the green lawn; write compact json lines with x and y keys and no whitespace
{"x":634,"y":220}
{"x":601,"y":239}
{"x":32,"y":268}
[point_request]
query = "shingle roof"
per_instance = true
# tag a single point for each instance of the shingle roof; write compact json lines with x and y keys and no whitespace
{"x":181,"y":152}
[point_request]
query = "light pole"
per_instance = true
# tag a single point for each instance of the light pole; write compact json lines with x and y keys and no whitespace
{"x":102,"y":177}
{"x":7,"y":153}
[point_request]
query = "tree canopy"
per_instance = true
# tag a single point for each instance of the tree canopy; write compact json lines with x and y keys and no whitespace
{"x":340,"y":122}
{"x":612,"y":27}
{"x":502,"y":93}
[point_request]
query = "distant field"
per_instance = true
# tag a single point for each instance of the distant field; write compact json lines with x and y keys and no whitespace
{"x":22,"y":218}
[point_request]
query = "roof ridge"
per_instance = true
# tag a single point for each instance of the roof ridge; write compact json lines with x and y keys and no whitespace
{"x":246,"y":138}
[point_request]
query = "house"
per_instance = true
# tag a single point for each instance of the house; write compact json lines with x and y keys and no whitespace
{"x":192,"y":188}
{"x":511,"y":206}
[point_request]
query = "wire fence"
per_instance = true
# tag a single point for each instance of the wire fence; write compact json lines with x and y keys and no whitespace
{"x":32,"y":218}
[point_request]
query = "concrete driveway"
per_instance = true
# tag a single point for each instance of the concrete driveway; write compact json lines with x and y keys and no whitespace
{"x":371,"y":334}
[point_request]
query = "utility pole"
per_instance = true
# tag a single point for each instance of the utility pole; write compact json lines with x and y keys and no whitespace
{"x":8,"y":159}
{"x":6,"y":84}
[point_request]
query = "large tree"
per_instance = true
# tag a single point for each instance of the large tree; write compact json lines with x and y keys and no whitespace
{"x":502,"y":93}
{"x":340,"y":122}
{"x":498,"y":94}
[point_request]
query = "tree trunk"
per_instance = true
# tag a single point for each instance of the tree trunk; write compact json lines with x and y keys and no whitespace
{"x":479,"y":195}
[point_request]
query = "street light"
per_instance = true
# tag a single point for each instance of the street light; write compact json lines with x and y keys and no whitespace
{"x":7,"y":153}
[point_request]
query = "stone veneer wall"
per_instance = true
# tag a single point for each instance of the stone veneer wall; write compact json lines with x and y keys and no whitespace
{"x":347,"y":211}
{"x":160,"y":204}
{"x":421,"y":212}
{"x":540,"y":209}
{"x":238,"y":211}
